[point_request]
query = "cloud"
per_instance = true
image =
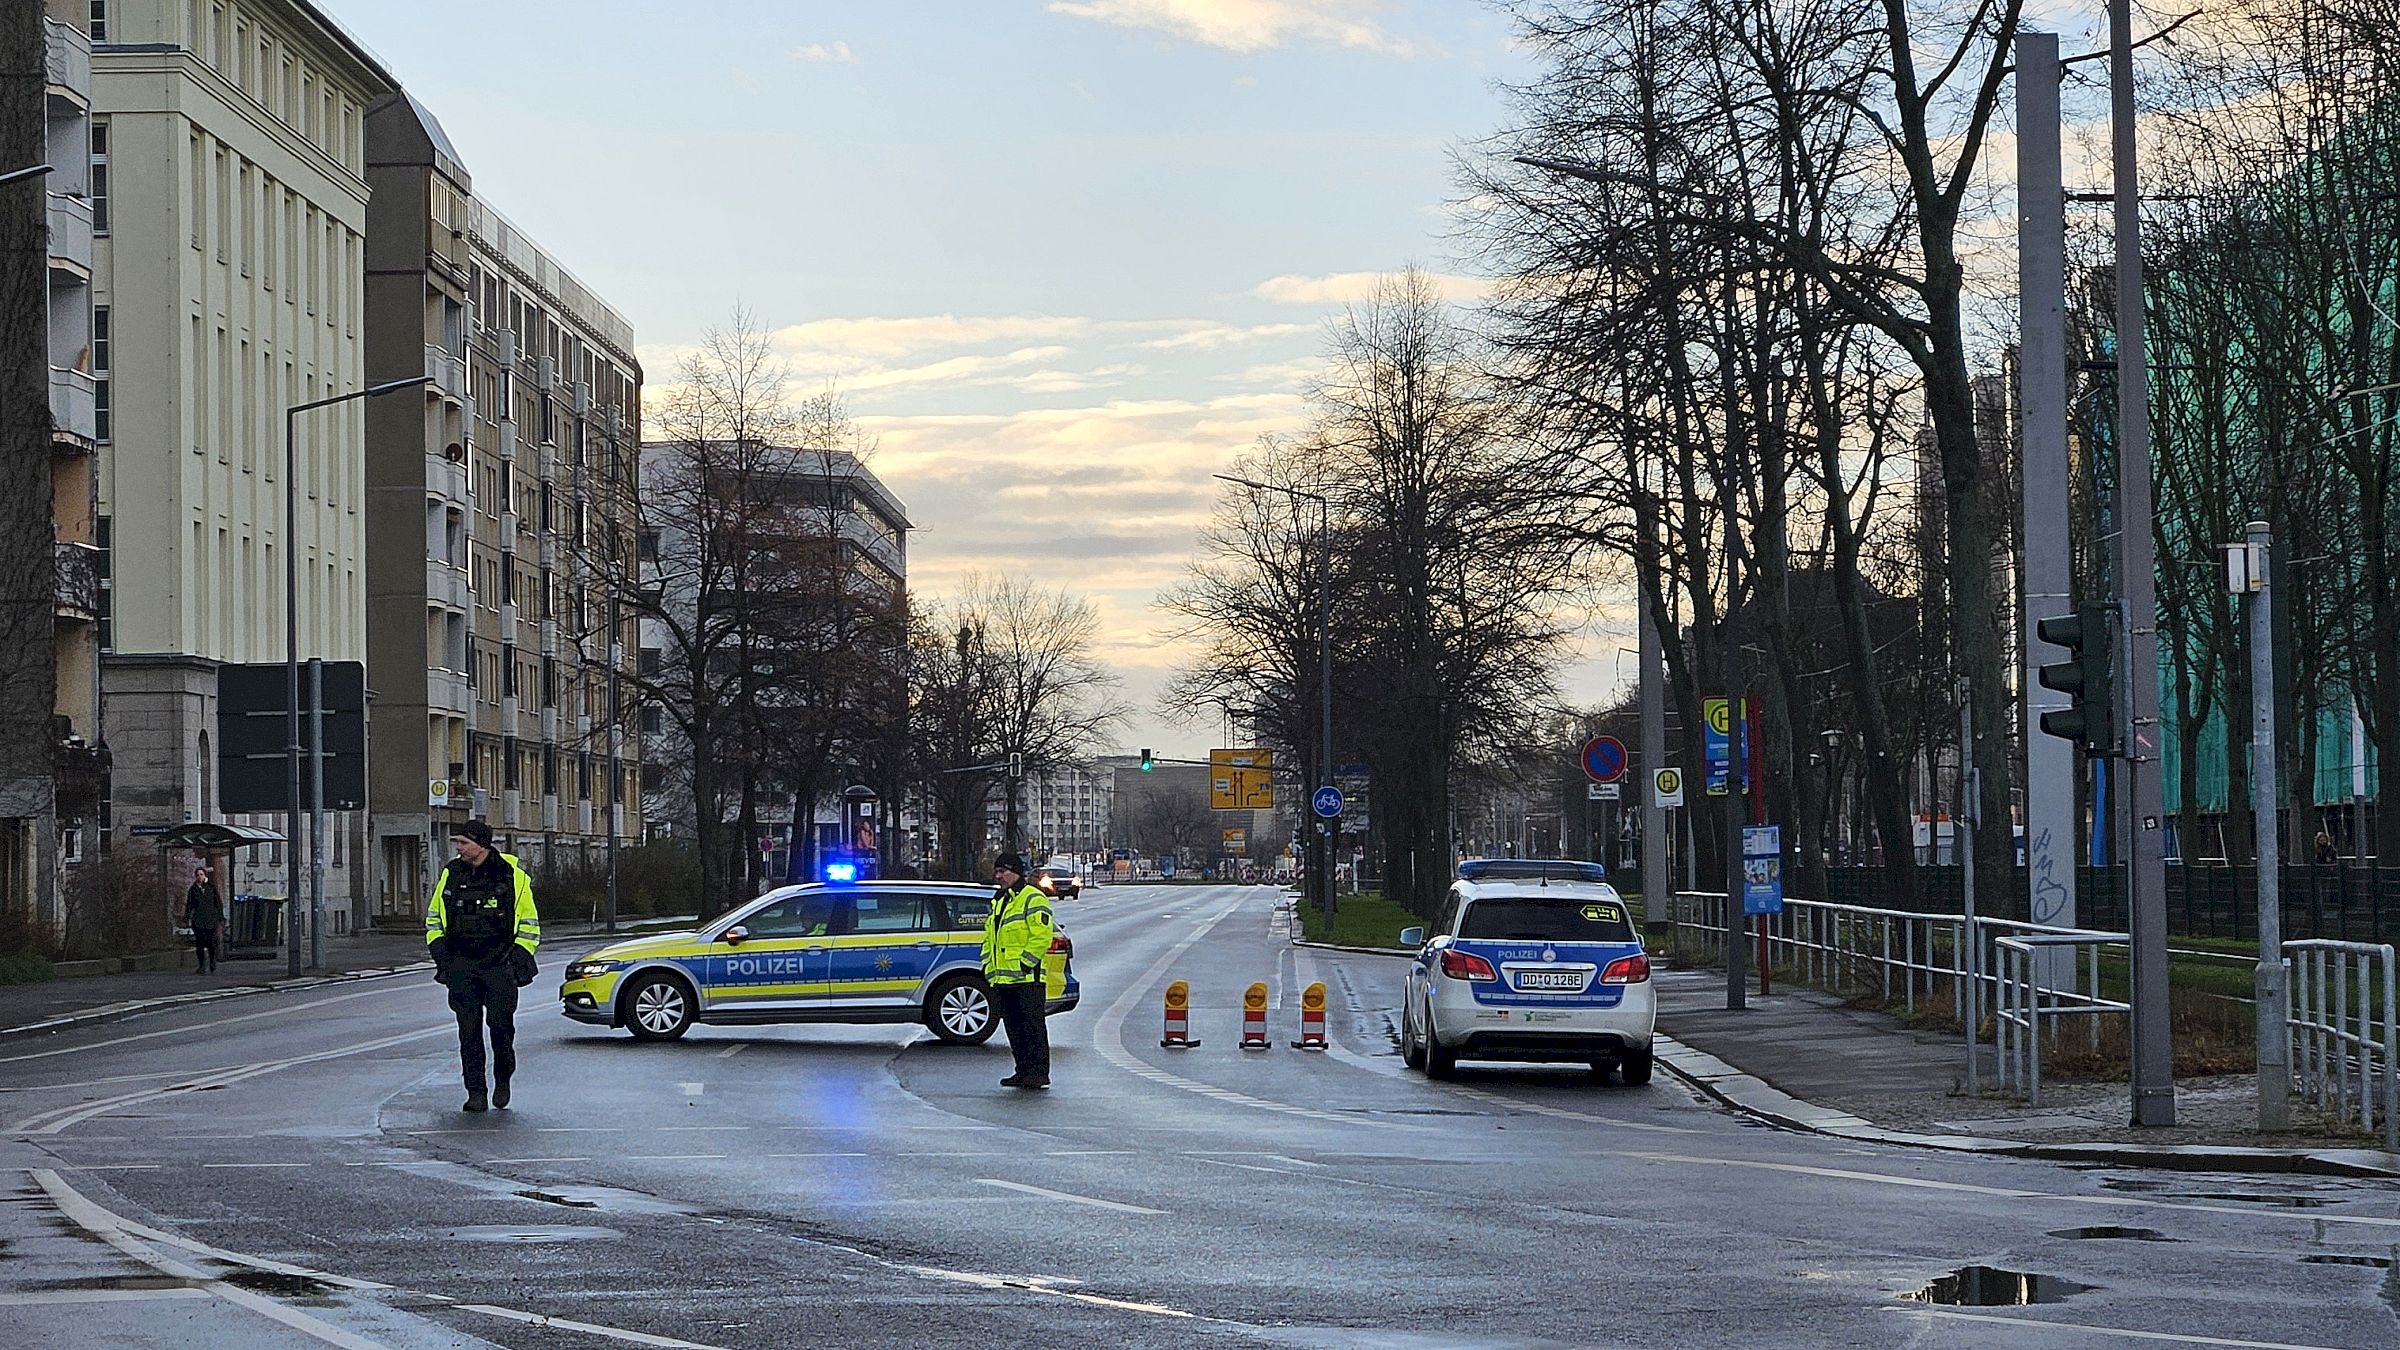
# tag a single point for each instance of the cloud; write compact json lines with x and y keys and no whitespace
{"x":826,"y":53}
{"x":1214,"y":336}
{"x":1342,"y":288}
{"x":1251,"y":25}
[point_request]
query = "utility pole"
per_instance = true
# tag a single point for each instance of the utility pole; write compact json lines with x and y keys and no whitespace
{"x":2248,"y":570}
{"x":2050,"y":762}
{"x":28,"y":575}
{"x":1657,"y":900}
{"x":616,"y":654}
{"x":2146,"y":868}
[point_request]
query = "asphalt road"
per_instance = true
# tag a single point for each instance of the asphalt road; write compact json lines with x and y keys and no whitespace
{"x":293,"y":1170}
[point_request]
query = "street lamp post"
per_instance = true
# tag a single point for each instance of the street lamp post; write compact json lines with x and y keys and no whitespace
{"x":1322,"y":871}
{"x":291,"y":694}
{"x":19,"y":175}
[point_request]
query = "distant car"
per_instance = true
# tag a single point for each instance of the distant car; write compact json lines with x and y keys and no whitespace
{"x":1058,"y":881}
{"x":1541,"y":967}
{"x":871,"y":951}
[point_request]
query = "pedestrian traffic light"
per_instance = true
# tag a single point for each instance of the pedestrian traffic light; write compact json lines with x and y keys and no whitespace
{"x":2086,"y":677}
{"x":1016,"y":765}
{"x":1147,"y":762}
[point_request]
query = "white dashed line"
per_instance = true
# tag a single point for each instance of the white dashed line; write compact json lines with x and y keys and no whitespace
{"x":1068,"y":1197}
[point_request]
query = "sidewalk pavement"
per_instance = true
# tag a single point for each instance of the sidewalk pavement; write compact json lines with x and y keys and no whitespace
{"x":1802,"y":1059}
{"x":72,"y":1001}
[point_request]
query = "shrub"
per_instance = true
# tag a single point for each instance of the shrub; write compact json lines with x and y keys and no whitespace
{"x":118,"y":904}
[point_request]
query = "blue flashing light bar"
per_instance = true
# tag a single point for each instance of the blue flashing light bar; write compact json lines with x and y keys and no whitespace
{"x":841,"y":871}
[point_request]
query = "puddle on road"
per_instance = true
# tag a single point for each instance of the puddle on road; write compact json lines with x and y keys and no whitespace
{"x":530,"y":1233}
{"x":2329,"y":1259}
{"x":1989,"y":1287}
{"x":2166,"y":1190}
{"x":279,"y":1284}
{"x":2106,"y":1231}
{"x":548,"y":1198}
{"x":138,"y":1282}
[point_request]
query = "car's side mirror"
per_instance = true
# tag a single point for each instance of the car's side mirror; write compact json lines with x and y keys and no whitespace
{"x":736,"y":936}
{"x":1412,"y":937}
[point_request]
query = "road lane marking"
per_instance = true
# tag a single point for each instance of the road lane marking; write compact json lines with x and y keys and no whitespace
{"x":99,"y":1082}
{"x":99,"y":1296}
{"x":692,"y":1089}
{"x":498,"y":1161}
{"x":692,"y":1129}
{"x":1110,"y":1038}
{"x":674,"y":1157}
{"x":120,"y":1233}
{"x":258,"y":1164}
{"x":588,"y":1328}
{"x":113,"y":1167}
{"x":730,"y":1051}
{"x":53,"y":1121}
{"x":579,"y":1129}
{"x":2047,"y":1324}
{"x":186,"y":1031}
{"x":2006,"y":1193}
{"x":813,"y":1155}
{"x":1069,"y":1197}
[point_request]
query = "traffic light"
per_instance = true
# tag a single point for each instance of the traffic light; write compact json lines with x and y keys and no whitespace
{"x":2086,"y":677}
{"x":1016,"y":764}
{"x":1147,"y":763}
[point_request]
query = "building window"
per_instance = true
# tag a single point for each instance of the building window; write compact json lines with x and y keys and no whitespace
{"x":99,"y":174}
{"x":654,"y":719}
{"x":646,"y":546}
{"x":100,"y":418}
{"x":99,"y":14}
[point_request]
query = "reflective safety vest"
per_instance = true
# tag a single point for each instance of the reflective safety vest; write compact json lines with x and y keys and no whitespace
{"x":1016,"y":936}
{"x":477,"y":918}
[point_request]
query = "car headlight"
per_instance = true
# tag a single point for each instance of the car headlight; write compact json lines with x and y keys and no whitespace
{"x":584,"y":970}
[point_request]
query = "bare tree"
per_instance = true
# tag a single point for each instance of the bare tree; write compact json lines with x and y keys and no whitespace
{"x":1051,"y":701}
{"x":1174,"y":820}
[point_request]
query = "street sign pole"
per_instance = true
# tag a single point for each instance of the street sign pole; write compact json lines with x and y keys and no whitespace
{"x":1656,"y":900}
{"x":316,"y":813}
{"x":2272,"y":994}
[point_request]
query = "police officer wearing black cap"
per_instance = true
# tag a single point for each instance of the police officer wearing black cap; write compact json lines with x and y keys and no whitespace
{"x":482,"y":929}
{"x":1016,"y":943}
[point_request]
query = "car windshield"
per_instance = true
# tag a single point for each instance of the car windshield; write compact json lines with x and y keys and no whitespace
{"x":1546,"y":918}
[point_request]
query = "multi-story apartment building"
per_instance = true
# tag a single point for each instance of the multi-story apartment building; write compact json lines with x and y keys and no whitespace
{"x":1063,"y":811}
{"x":49,"y":811}
{"x":227,"y":287}
{"x":801,"y":495}
{"x":502,"y":529}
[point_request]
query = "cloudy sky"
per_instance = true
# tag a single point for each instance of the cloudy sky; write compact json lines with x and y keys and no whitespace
{"x":1065,"y":257}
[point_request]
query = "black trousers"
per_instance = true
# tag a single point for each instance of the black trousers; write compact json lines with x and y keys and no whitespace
{"x":481,"y":994}
{"x":1023,"y":1016}
{"x":204,"y":949}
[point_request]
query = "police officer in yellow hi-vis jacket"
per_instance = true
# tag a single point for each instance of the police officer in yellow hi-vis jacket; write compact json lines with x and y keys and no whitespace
{"x":1016,"y":943}
{"x":482,"y":929}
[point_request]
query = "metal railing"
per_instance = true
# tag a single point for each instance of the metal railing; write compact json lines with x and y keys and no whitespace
{"x":1918,"y":958}
{"x":2024,"y":998}
{"x":2345,"y":1049}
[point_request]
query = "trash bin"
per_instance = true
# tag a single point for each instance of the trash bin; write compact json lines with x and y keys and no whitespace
{"x":254,"y":927}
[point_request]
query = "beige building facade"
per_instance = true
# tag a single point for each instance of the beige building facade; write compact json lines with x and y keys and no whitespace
{"x":501,"y":526}
{"x":229,"y":282}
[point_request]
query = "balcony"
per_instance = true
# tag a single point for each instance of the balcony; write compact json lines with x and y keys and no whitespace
{"x":580,"y":402}
{"x":583,"y":733}
{"x":508,"y":622}
{"x":80,"y":772}
{"x":504,"y":345}
{"x":446,"y":586}
{"x":508,"y":715}
{"x":583,"y":818}
{"x":511,"y":524}
{"x":545,"y":461}
{"x":446,"y":478}
{"x":549,"y":638}
{"x":446,"y":691}
{"x":449,"y":372}
{"x":509,"y":805}
{"x":545,"y":375}
{"x":545,"y":549}
{"x":550,"y":813}
{"x":550,"y":725}
{"x":67,"y":63}
{"x":78,"y":581}
{"x":508,"y":439}
{"x":70,"y":238}
{"x":74,"y":407}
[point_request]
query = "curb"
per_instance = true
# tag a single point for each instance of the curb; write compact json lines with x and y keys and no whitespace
{"x":115,"y":1011}
{"x":1362,"y":951}
{"x":1754,"y":1097}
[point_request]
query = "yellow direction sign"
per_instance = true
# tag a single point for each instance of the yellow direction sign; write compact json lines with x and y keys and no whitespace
{"x":1243,"y":757}
{"x":1235,"y":789}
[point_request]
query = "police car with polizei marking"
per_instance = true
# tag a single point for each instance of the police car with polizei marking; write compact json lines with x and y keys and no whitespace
{"x":869,"y":951}
{"x":1529,"y":960}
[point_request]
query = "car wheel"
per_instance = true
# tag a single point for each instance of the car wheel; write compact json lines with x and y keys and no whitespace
{"x":1440,"y":1060}
{"x":1412,"y":1051}
{"x":959,"y":1011}
{"x":1635,"y":1066}
{"x":658,"y":1008}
